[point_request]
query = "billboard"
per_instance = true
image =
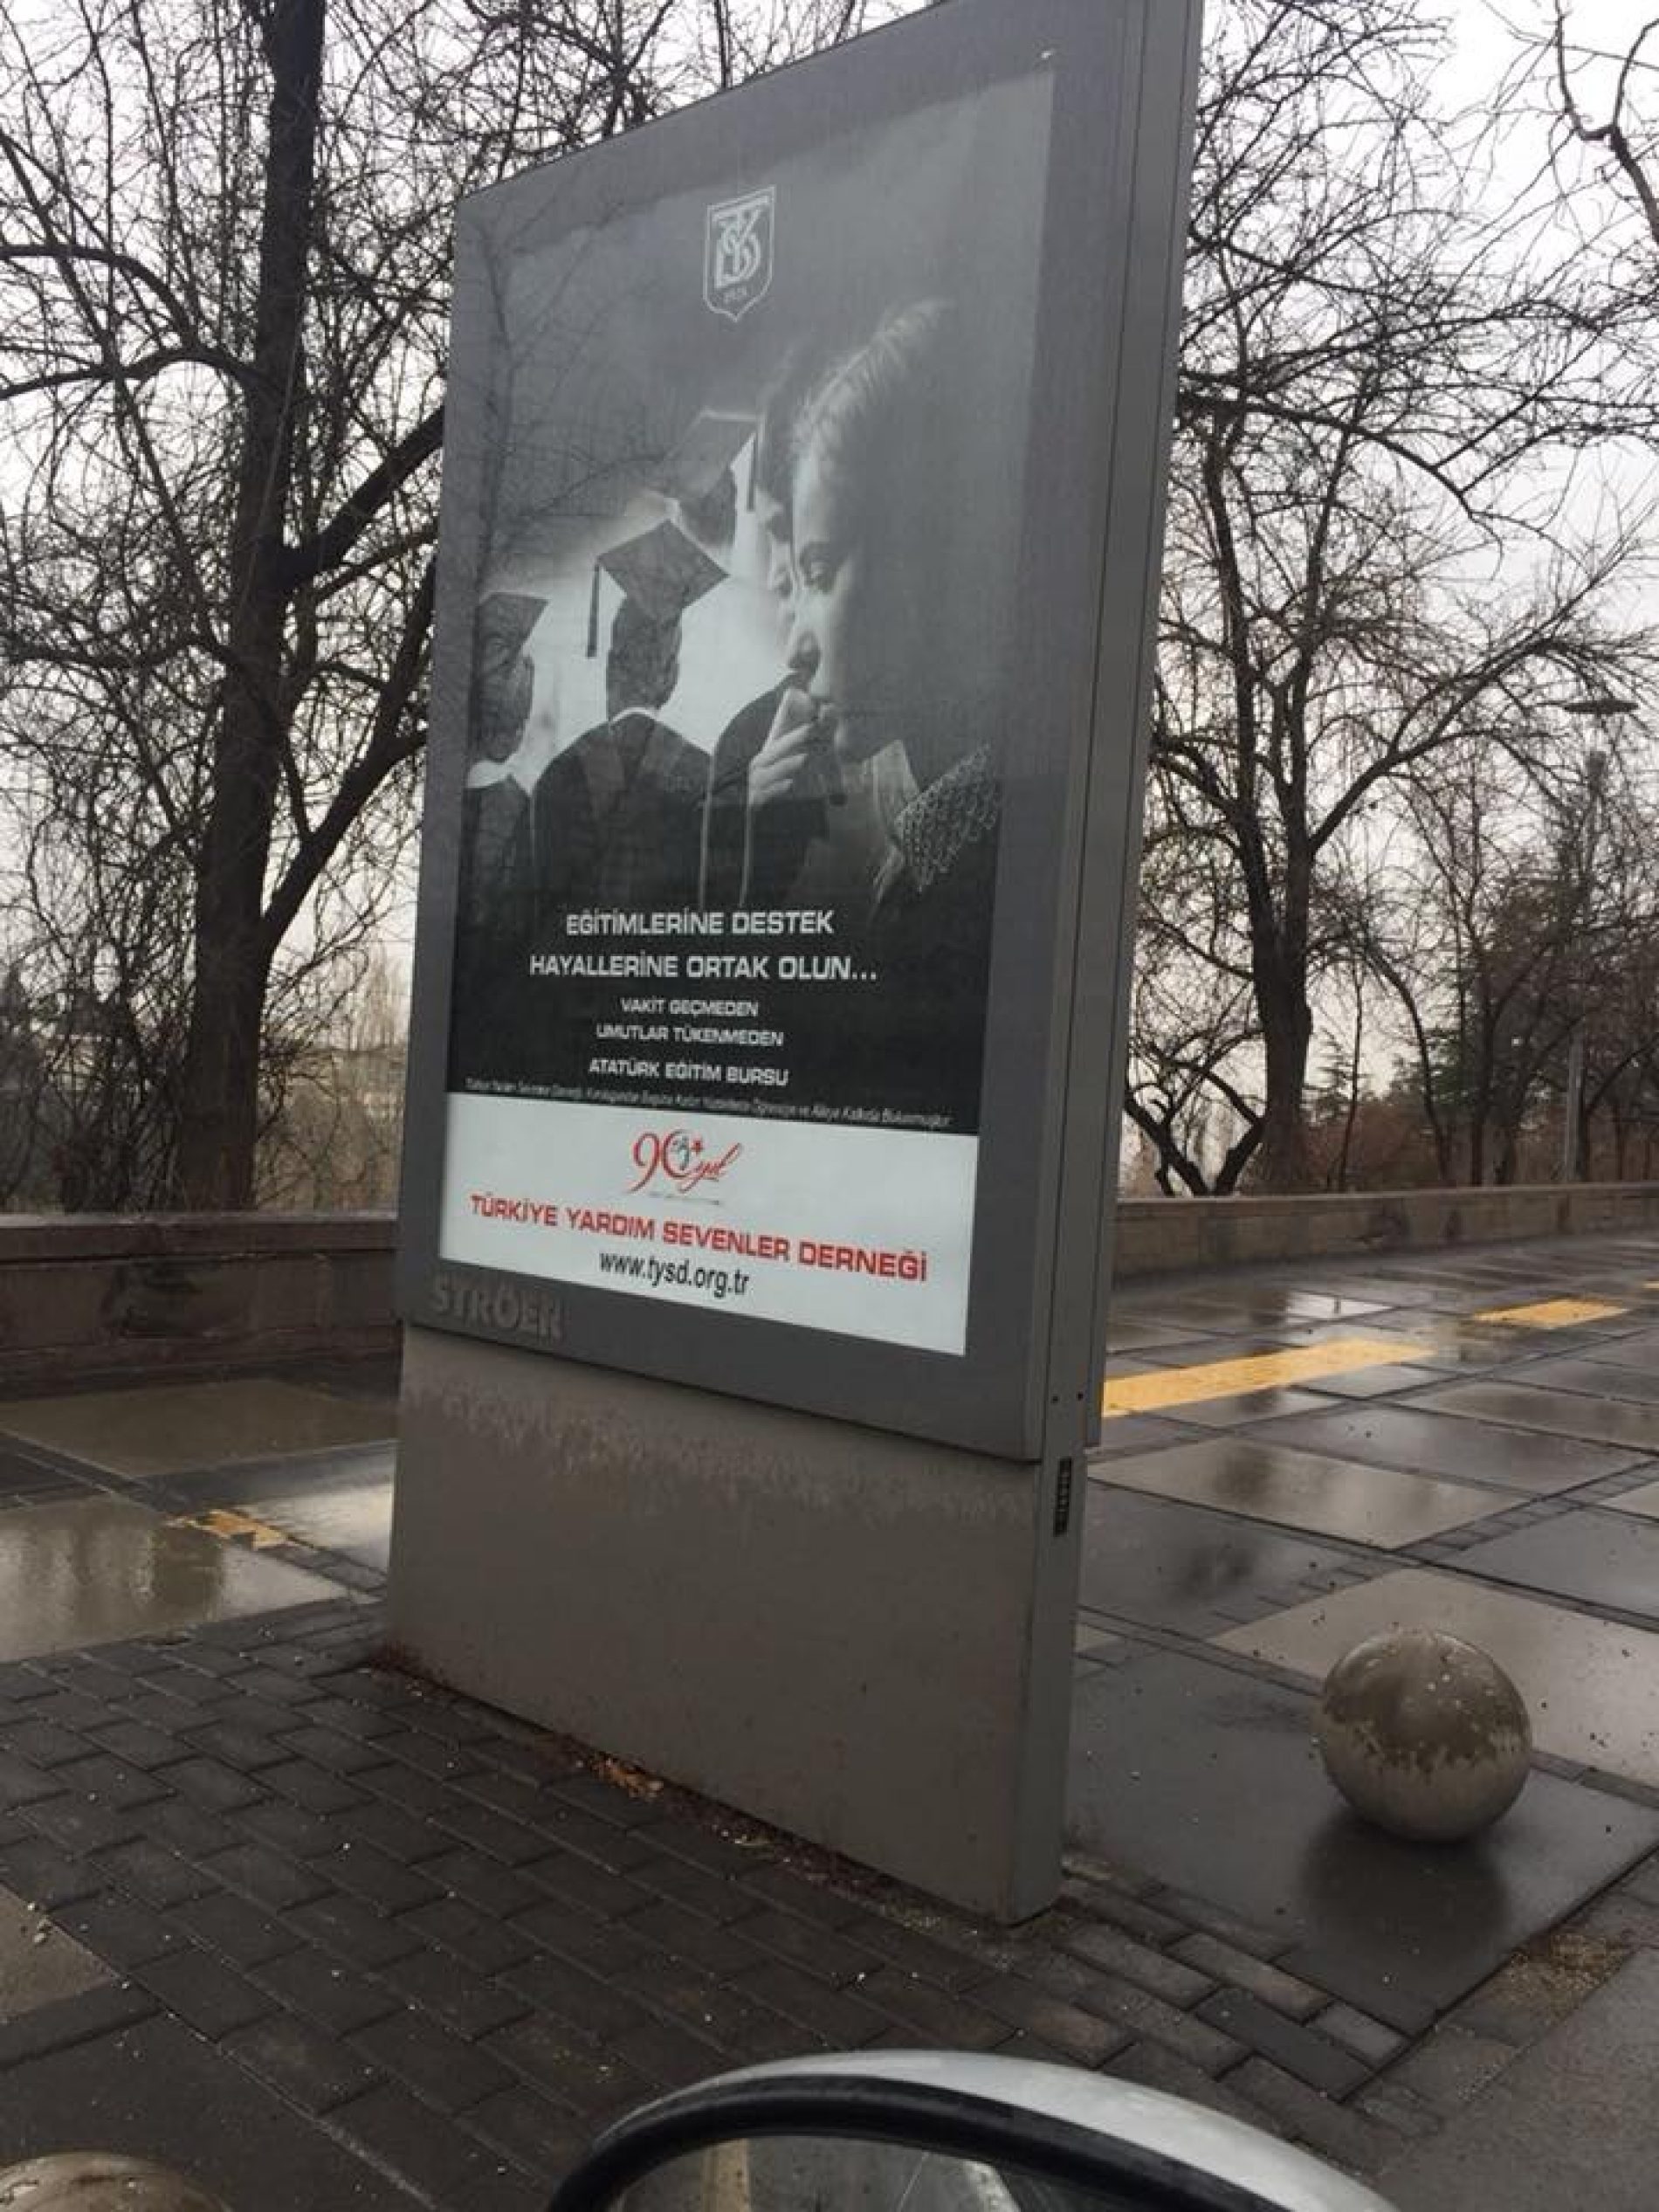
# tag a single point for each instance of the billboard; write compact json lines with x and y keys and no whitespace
{"x":757,"y":792}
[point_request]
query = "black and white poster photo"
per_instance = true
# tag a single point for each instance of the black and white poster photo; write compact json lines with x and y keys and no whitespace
{"x":737,"y":725}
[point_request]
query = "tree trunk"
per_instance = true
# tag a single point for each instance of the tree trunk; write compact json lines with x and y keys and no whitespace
{"x":1281,"y":1159}
{"x":1508,"y":1149}
{"x":219,"y":1119}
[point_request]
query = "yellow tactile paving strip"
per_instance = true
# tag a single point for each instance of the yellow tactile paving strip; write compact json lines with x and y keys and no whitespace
{"x":1551,"y":1313}
{"x":1261,"y":1371}
{"x":221,"y":1522}
{"x":1155,"y":1392}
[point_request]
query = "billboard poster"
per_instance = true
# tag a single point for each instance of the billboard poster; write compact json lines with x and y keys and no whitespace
{"x":743,"y":618}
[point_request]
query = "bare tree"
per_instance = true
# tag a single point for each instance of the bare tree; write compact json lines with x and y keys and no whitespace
{"x":1519,"y":942}
{"x":1613,"y":120}
{"x":1192,"y":1088}
{"x":224,"y":245}
{"x":1358,"y":573}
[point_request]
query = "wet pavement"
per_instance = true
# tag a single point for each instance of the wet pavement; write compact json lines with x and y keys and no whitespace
{"x":83,"y":1571}
{"x":281,"y":1915}
{"x":1488,"y":1464}
{"x":1493,"y":1504}
{"x":170,"y":1427}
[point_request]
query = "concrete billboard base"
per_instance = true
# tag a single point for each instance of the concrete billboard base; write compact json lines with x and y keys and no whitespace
{"x":862,"y":1638}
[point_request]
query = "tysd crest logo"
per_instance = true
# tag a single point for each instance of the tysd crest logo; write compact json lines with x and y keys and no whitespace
{"x":737,"y":261}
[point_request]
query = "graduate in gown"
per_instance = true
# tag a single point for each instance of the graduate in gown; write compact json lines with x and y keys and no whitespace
{"x":618,"y":815}
{"x":495,"y":907}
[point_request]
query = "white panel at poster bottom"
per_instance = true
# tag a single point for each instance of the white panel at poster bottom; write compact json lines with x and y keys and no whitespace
{"x":860,"y":1230}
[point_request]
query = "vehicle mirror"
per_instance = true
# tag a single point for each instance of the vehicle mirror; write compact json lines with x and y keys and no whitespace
{"x":942,"y":2132}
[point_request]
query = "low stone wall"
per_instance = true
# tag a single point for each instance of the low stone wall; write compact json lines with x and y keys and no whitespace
{"x":86,"y":1296}
{"x":1156,"y":1235}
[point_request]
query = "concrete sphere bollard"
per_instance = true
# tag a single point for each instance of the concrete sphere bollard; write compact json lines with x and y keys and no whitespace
{"x":100,"y":2181}
{"x":1423,"y":1734}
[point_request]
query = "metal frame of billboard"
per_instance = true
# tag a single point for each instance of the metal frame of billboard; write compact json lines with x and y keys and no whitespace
{"x":1101,"y":405}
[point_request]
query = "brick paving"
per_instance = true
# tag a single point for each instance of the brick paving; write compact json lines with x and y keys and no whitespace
{"x":433,"y":1949}
{"x":452,"y":1946}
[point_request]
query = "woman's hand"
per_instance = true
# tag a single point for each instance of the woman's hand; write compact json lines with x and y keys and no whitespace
{"x":796,"y":762}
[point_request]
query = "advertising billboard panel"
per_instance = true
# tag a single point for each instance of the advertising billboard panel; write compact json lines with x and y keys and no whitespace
{"x":774,"y":543}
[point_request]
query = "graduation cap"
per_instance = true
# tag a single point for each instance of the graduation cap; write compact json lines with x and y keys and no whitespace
{"x":696,"y":474}
{"x":661,"y":571}
{"x":693,"y":469}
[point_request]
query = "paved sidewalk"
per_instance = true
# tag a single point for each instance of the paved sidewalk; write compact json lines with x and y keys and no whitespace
{"x":278,"y":1913}
{"x":364,"y":1932}
{"x":357,"y":1941}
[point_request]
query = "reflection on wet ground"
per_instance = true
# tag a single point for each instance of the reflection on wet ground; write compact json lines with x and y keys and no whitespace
{"x":1312,"y":1453}
{"x":94,"y":1571}
{"x":1209,"y":1775}
{"x":1303,"y":1490}
{"x":1525,"y":1405}
{"x":1492,"y":1468}
{"x":339,"y":1503}
{"x":1591,"y":1686}
{"x":129,"y":1513}
{"x":1595,"y":1376}
{"x":1405,"y":1439}
{"x":1163,"y":1565}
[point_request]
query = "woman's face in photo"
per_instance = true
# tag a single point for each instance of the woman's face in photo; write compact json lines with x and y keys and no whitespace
{"x":846,"y":644}
{"x":774,"y":517}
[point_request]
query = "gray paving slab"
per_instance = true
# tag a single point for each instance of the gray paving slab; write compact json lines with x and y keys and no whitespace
{"x":96,"y":1570}
{"x":22,"y":1470}
{"x":1572,"y":2120}
{"x":1196,"y":1315}
{"x":1193,"y":1351}
{"x":1207,"y":1777}
{"x":1524,"y":1403}
{"x":1643,"y":1501}
{"x":1341,"y":1498}
{"x":1592,"y":1686}
{"x":1336,"y":1304}
{"x":1592,"y":1376}
{"x":1416,"y":1290}
{"x":1374,"y":1382}
{"x":154,"y":2090}
{"x":1463,"y":1451}
{"x":1265,"y":1307}
{"x":1178,"y":1567}
{"x":169,"y":1427}
{"x":1138,"y":1332}
{"x":1640,"y":1350}
{"x":1246,"y":1407}
{"x":236,"y":1482}
{"x":1089,"y":1642}
{"x":339,"y":1501}
{"x":1600,"y":1558}
{"x":39,"y":1963}
{"x":1131,"y":1433}
{"x":1435,"y":1342}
